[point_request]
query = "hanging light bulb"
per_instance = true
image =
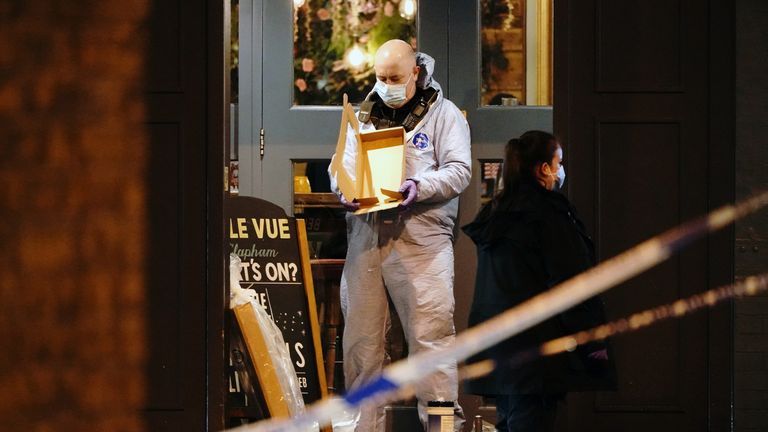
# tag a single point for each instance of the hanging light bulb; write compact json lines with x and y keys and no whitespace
{"x":298,"y":3}
{"x":355,"y":57}
{"x":407,"y":9}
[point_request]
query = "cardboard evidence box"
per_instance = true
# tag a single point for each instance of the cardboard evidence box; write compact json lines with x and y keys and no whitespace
{"x":379,"y":166}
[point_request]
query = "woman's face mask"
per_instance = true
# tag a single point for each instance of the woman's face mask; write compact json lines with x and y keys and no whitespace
{"x":559,"y":175}
{"x":393,"y":95}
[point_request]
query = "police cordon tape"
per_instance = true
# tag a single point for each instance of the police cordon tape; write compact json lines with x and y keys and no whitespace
{"x":398,"y":376}
{"x":747,"y":287}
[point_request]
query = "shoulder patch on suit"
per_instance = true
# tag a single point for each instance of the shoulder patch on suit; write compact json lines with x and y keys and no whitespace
{"x":420,"y":141}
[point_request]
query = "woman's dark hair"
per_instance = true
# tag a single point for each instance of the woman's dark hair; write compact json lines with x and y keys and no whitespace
{"x":523,"y":155}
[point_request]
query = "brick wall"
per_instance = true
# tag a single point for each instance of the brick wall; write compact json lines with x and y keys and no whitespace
{"x":751,"y":326}
{"x":72,"y":202}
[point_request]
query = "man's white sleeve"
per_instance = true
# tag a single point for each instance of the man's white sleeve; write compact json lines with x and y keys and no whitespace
{"x":454,"y":160}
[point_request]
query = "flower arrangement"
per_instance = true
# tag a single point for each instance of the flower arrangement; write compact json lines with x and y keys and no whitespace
{"x":334,"y":41}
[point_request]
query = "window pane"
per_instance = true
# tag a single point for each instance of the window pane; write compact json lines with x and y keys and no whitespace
{"x":491,"y":183}
{"x":334,"y":44}
{"x":516,"y":43}
{"x":234,"y":49}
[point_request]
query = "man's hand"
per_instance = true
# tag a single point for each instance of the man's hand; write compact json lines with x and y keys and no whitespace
{"x":410,"y":190}
{"x":349,"y":206}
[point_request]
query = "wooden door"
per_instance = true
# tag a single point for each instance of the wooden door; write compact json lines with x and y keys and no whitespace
{"x":184,"y":262}
{"x":636,"y":106}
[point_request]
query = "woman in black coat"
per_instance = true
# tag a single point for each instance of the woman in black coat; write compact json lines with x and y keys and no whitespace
{"x":528,"y":240}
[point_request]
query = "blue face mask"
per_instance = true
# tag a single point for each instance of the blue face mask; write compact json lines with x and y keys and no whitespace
{"x":560,"y":177}
{"x":393,"y":95}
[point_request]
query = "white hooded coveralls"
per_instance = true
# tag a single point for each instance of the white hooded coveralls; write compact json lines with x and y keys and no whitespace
{"x":408,"y":254}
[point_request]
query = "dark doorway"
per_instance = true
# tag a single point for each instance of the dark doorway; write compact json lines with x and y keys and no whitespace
{"x":642,"y":103}
{"x":184,"y":263}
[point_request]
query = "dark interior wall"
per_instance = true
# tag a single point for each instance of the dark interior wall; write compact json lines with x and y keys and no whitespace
{"x":72,"y":206}
{"x":751,"y":314}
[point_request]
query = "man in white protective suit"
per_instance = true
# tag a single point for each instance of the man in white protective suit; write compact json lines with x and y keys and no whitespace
{"x":406,"y":252}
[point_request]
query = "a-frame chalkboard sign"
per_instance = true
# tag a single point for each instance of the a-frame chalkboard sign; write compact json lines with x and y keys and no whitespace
{"x":275,"y":264}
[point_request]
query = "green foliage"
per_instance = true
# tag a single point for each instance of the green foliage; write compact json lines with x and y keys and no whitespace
{"x":320,"y":76}
{"x":394,"y":27}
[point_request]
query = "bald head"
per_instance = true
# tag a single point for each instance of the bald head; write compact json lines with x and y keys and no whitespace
{"x":395,"y":52}
{"x":395,"y":63}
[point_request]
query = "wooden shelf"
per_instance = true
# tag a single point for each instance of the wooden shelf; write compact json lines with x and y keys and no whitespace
{"x":317,"y":199}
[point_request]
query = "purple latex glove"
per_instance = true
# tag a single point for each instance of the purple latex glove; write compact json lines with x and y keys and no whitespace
{"x":599,"y":354}
{"x":410,"y":190}
{"x":349,"y":206}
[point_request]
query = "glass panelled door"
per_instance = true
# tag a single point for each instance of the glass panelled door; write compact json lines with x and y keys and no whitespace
{"x":312,"y":52}
{"x":493,"y":60}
